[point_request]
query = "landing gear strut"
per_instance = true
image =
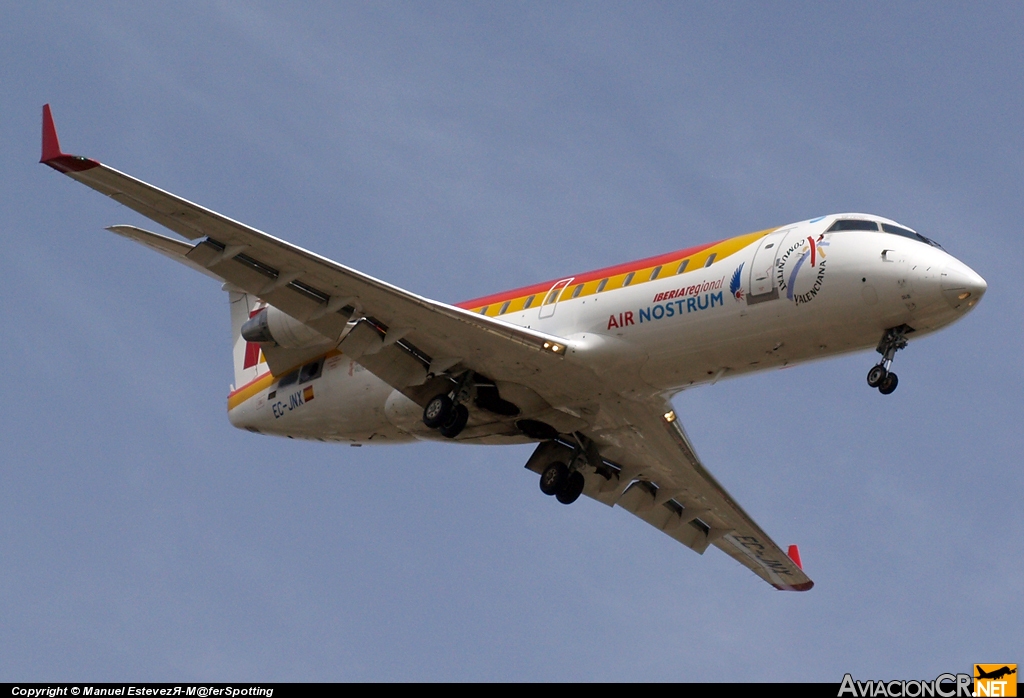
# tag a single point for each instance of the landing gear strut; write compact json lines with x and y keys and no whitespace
{"x":881,"y":376}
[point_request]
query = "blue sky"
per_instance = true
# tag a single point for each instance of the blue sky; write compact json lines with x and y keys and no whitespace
{"x":457,"y":150}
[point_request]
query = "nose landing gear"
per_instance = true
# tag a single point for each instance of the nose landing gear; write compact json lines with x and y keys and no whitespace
{"x":881,"y":376}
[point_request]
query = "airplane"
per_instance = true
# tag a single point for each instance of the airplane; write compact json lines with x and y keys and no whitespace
{"x":995,"y":674}
{"x":584,"y":365}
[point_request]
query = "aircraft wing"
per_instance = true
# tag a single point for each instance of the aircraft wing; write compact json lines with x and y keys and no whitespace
{"x":324,"y":294}
{"x":663,"y":482}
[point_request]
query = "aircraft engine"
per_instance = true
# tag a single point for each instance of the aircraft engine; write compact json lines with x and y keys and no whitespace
{"x":273,"y":325}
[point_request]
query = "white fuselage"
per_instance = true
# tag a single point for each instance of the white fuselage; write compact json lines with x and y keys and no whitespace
{"x":796,"y":294}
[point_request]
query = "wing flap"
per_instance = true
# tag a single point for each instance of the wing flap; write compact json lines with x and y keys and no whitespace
{"x":256,"y":278}
{"x":641,"y":502}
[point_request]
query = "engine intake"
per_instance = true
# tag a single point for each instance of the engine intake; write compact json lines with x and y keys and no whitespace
{"x":273,"y":325}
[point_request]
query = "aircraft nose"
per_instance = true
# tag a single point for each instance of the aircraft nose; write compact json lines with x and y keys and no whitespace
{"x":962,"y":286}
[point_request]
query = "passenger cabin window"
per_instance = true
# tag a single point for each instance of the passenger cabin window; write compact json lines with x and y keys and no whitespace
{"x":711,"y":259}
{"x":851,"y":224}
{"x":629,"y":279}
{"x":311,"y":371}
{"x":654,"y":274}
{"x":504,"y":308}
{"x":483,"y":310}
{"x":682,"y":267}
{"x":600,"y":286}
{"x":529,"y":302}
{"x":552,"y":297}
{"x":576,"y":291}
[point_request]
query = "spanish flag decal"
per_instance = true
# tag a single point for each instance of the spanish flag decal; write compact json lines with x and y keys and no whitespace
{"x":307,"y":393}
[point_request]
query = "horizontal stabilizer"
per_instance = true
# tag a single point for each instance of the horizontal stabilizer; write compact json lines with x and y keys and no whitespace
{"x":169,"y":247}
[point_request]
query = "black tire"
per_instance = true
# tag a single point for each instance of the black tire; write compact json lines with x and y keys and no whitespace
{"x":553,"y":479}
{"x":456,"y":422}
{"x":573,"y":488}
{"x":438,"y":411}
{"x":876,"y":375}
{"x":888,"y":384}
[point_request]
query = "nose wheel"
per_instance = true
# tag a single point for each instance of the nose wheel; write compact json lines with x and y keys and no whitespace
{"x":885,"y":381}
{"x":881,"y":376}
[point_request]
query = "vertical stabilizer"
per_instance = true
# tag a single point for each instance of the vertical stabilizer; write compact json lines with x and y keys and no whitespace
{"x":247,"y":357}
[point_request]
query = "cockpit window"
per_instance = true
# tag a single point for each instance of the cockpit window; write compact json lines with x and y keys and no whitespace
{"x":897,"y":230}
{"x":851,"y":224}
{"x":856,"y":224}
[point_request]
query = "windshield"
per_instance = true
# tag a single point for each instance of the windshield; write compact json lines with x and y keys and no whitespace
{"x":846,"y":224}
{"x":897,"y":230}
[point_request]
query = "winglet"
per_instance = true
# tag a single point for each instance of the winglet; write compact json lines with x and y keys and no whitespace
{"x":52,"y":155}
{"x":794,"y":555}
{"x":51,"y":146}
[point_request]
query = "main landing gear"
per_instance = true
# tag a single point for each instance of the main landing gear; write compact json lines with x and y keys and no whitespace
{"x":566,"y":482}
{"x":568,"y":464}
{"x":446,"y":412}
{"x":881,"y":376}
{"x":443,"y":414}
{"x":566,"y":485}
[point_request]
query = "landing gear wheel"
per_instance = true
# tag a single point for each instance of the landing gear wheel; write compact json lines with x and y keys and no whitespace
{"x":554,"y":478}
{"x":888,"y":383}
{"x":876,"y":375}
{"x":437,"y":411}
{"x":572,"y":489}
{"x":456,"y":422}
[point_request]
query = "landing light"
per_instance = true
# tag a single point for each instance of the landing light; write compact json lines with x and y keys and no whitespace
{"x":553,"y":347}
{"x":964,"y":296}
{"x":670,"y":416}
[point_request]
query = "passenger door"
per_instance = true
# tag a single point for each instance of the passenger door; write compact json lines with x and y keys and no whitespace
{"x":761,"y":284}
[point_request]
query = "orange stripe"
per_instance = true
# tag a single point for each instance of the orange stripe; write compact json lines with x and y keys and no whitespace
{"x":616,"y":275}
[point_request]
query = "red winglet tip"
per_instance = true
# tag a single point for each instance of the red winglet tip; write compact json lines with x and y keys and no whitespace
{"x":51,"y":146}
{"x":794,"y":555}
{"x":52,"y":155}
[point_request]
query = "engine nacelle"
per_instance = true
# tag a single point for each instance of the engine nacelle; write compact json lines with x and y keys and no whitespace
{"x":273,"y":325}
